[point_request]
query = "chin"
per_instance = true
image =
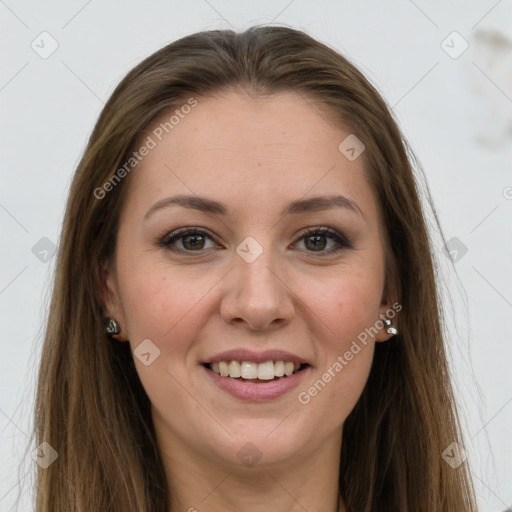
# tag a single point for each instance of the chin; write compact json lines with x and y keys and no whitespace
{"x":267,"y":443}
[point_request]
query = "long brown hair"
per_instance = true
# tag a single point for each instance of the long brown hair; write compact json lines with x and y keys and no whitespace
{"x":91,"y":407}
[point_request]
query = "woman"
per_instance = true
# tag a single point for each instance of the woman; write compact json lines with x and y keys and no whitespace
{"x":245,"y":313}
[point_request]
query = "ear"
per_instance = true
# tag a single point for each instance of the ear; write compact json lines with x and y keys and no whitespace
{"x":389,"y":309}
{"x":108,"y":290}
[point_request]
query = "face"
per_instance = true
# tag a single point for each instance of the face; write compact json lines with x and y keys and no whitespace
{"x":246,"y":267}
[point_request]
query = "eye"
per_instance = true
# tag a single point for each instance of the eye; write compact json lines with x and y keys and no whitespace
{"x":191,"y":240}
{"x":316,"y":240}
{"x":188,"y":240}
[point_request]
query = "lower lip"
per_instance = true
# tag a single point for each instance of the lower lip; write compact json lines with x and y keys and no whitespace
{"x":257,"y":392}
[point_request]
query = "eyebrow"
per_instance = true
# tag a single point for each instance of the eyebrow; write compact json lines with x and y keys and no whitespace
{"x":206,"y":205}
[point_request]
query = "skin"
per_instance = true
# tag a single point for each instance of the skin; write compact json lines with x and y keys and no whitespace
{"x":255,"y":156}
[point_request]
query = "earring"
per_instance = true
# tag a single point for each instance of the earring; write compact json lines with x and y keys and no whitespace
{"x":111,"y":326}
{"x":390,"y":329}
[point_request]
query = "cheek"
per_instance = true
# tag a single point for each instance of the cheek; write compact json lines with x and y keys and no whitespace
{"x":345,"y":360}
{"x":345,"y":305}
{"x":336,"y":389}
{"x":158,"y":299}
{"x":166,"y":308}
{"x":346,"y":310}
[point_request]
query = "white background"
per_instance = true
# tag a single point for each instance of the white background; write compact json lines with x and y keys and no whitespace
{"x":456,"y":113}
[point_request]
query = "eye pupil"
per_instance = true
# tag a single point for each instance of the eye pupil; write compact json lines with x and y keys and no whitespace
{"x":196,"y":241}
{"x":316,"y":245}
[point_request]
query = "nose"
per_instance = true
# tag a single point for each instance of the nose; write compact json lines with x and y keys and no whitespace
{"x":256,"y":295}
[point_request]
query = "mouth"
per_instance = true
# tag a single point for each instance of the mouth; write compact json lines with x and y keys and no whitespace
{"x":256,"y":376}
{"x":253,"y":372}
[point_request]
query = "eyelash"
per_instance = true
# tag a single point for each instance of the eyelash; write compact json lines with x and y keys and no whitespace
{"x":343,"y":242}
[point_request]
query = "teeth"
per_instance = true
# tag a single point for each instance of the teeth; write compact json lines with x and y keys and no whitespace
{"x":250,"y":370}
{"x":279,"y":368}
{"x":266,"y":371}
{"x":223,"y":369}
{"x":234,"y":369}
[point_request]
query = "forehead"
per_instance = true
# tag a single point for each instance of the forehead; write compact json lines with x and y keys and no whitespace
{"x":240,"y":149}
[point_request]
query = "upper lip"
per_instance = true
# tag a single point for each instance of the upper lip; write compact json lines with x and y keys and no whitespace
{"x":243,"y":354}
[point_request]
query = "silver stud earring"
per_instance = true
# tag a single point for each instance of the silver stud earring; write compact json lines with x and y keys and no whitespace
{"x":111,"y":326}
{"x":390,"y":329}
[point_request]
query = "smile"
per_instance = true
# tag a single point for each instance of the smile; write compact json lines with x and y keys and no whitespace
{"x":256,"y":382}
{"x":255,"y":372}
